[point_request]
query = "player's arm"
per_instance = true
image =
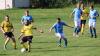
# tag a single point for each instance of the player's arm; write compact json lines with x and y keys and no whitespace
{"x":2,"y":27}
{"x":22,"y":33}
{"x":97,"y":14}
{"x":32,"y":20}
{"x":68,"y":25}
{"x":12,"y":30}
{"x":72,"y":13}
{"x":22,"y":20}
{"x":52,"y":28}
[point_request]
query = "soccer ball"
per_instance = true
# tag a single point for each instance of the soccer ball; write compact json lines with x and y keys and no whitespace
{"x":23,"y":50}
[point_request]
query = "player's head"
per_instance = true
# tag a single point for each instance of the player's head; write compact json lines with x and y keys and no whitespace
{"x":26,"y":12}
{"x":58,"y":20}
{"x":78,"y":5}
{"x":27,"y":22}
{"x":91,"y":7}
{"x":82,"y":6}
{"x":6,"y":18}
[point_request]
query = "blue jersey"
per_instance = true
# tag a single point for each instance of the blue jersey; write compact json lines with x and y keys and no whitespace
{"x":59,"y":27}
{"x":77,"y":14}
{"x":93,"y":14}
{"x":25,"y":18}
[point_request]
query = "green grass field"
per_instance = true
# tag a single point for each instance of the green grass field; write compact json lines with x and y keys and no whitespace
{"x":45,"y":44}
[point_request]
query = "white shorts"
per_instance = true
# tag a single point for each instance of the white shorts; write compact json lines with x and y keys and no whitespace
{"x":77,"y":23}
{"x":60,"y":35}
{"x":92,"y":23}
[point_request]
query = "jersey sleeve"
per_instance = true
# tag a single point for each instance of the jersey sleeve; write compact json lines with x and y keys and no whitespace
{"x":97,"y":14}
{"x":22,"y":30}
{"x":73,"y":11}
{"x":53,"y":26}
{"x":22,"y":19}
{"x":64,"y":23}
{"x":2,"y":24}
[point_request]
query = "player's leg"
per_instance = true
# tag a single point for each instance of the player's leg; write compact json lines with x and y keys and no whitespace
{"x":13,"y":40}
{"x":28,"y":46}
{"x":78,"y":28}
{"x":65,"y":40}
{"x":59,"y":39}
{"x":90,"y":28}
{"x":83,"y":26}
{"x":6,"y":42}
{"x":23,"y":41}
{"x":94,"y":29}
{"x":6,"y":35}
{"x":29,"y":42}
{"x":75,"y":30}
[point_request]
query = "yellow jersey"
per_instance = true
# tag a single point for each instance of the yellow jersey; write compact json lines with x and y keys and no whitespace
{"x":7,"y":26}
{"x":84,"y":14}
{"x":27,"y":30}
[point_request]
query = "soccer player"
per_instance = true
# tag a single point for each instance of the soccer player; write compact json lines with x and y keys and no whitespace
{"x":92,"y":21}
{"x":27,"y":17}
{"x":58,"y":26}
{"x":77,"y":12}
{"x":83,"y":17}
{"x":7,"y":29}
{"x":27,"y":35}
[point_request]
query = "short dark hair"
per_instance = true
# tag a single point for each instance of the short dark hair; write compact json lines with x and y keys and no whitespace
{"x":27,"y":11}
{"x":7,"y":15}
{"x":92,"y":6}
{"x":58,"y":19}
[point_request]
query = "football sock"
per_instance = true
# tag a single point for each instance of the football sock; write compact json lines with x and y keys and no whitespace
{"x":91,"y":32}
{"x":94,"y":31}
{"x":14,"y":45}
{"x":65,"y":40}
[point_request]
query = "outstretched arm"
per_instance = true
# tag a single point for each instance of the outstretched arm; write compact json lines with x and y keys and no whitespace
{"x":52,"y":28}
{"x":68,"y":25}
{"x":72,"y":13}
{"x":2,"y":27}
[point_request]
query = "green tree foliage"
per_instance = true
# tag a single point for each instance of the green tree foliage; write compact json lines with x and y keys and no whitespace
{"x":49,"y":3}
{"x":57,"y":3}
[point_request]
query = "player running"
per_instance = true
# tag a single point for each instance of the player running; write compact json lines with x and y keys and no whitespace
{"x":27,"y":17}
{"x":83,"y":17}
{"x":92,"y":21}
{"x":77,"y":12}
{"x":7,"y":29}
{"x":27,"y":35}
{"x":58,"y":26}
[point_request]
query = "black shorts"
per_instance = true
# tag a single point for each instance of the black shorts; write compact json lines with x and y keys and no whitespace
{"x":83,"y":22}
{"x":26,"y":38}
{"x":9,"y":34}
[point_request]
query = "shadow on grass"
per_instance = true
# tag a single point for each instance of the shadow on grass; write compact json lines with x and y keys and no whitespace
{"x":3,"y":54}
{"x":48,"y":50}
{"x":44,"y":42}
{"x":84,"y":46}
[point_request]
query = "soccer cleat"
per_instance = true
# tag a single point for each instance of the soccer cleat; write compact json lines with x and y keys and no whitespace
{"x":77,"y":35}
{"x":74,"y":34}
{"x":65,"y":46}
{"x":91,"y":36}
{"x":95,"y":36}
{"x":15,"y":48}
{"x":59,"y":45}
